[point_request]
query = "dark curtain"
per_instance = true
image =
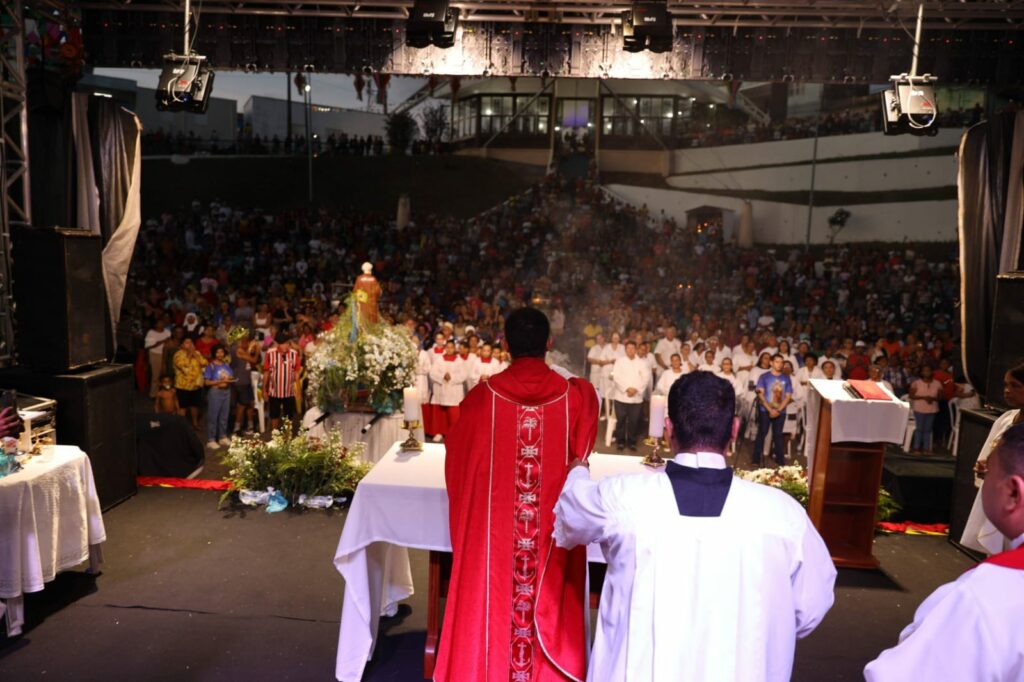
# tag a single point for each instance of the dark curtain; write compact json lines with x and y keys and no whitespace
{"x":113,"y":133}
{"x":986,"y":233}
{"x":50,"y":152}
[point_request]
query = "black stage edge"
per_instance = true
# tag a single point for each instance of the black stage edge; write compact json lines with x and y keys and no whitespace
{"x":95,"y":411}
{"x":921,"y":484}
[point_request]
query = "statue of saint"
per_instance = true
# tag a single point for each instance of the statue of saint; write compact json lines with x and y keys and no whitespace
{"x":367,"y":293}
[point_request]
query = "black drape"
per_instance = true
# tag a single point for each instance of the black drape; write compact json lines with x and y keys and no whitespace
{"x":112,"y":133}
{"x":985,"y":234}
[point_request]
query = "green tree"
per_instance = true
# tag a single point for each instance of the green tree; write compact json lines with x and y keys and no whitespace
{"x":401,"y":129}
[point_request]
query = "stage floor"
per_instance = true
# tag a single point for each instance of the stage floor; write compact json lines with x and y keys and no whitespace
{"x":190,"y":592}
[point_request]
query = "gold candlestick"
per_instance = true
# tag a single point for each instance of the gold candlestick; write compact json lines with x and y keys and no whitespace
{"x":411,"y":443}
{"x":654,"y":459}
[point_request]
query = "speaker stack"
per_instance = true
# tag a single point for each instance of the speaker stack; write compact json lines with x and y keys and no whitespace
{"x":63,"y":341}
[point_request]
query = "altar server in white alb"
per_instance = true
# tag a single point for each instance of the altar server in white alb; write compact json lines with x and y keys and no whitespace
{"x":710,"y":577}
{"x":979,"y":533}
{"x":972,"y":629}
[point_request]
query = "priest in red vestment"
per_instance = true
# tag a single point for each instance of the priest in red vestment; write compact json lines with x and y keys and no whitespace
{"x":515,"y":610}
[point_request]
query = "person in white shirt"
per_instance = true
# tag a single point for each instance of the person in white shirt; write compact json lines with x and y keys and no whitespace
{"x":154,"y":344}
{"x":612,"y":352}
{"x":971,"y":629}
{"x":686,"y":354}
{"x":710,"y":577}
{"x":721,"y":352}
{"x":665,"y":348}
{"x":708,"y":365}
{"x":742,"y":345}
{"x":630,"y":375}
{"x":828,"y":371}
{"x":669,"y":376}
{"x":448,"y":388}
{"x":738,"y":386}
{"x":979,"y":533}
{"x":484,"y":367}
{"x":808,"y":371}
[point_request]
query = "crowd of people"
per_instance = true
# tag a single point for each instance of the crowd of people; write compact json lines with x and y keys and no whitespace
{"x":204,"y":270}
{"x":849,"y":122}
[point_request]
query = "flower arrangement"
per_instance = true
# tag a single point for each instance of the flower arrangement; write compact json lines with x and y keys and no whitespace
{"x":378,"y":359}
{"x":792,"y":480}
{"x":295,"y":465}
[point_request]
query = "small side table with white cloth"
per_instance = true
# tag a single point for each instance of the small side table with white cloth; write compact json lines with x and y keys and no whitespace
{"x":403,"y":503}
{"x":49,"y":521}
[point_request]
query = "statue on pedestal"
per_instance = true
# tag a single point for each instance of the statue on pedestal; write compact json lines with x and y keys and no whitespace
{"x":366,"y":293}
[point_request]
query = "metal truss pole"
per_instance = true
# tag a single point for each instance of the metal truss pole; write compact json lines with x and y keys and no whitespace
{"x":17,"y":199}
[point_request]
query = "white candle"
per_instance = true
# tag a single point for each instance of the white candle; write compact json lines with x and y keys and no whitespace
{"x":656,"y":428}
{"x":411,"y":404}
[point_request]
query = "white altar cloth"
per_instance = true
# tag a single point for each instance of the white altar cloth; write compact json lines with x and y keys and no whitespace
{"x":854,"y":420}
{"x":403,"y":503}
{"x":49,"y":521}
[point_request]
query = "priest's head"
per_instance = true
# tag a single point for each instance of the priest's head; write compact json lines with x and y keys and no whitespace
{"x":700,"y":410}
{"x":527,"y":333}
{"x":1002,"y":494}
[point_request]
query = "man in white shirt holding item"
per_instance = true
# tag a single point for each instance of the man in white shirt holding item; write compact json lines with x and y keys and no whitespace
{"x":710,"y":577}
{"x":971,"y":629}
{"x":630,"y":376}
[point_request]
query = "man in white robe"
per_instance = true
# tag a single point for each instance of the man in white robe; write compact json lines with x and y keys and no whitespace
{"x":971,"y":629}
{"x":710,"y":577}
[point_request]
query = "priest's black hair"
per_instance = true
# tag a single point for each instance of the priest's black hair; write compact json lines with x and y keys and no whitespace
{"x":527,"y":331}
{"x":701,"y":406}
{"x":1010,"y":450}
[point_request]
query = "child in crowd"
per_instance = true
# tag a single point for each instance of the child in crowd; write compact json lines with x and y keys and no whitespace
{"x":166,"y":401}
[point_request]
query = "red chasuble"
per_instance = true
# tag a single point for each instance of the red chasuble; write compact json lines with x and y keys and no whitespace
{"x":515,"y":610}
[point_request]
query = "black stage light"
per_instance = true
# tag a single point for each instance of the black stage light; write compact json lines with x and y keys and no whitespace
{"x":431,"y":22}
{"x":186,"y":84}
{"x":648,"y":25}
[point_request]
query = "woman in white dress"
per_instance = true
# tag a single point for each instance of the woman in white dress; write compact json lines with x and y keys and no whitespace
{"x":979,"y":533}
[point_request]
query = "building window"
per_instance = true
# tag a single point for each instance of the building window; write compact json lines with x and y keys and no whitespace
{"x":495,"y":112}
{"x":464,"y":119}
{"x":619,"y":115}
{"x":533,"y":116}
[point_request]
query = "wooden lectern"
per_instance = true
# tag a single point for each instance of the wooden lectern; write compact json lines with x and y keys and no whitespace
{"x":845,"y":476}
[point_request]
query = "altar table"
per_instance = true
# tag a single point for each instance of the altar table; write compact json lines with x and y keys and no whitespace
{"x":49,"y":521}
{"x":403,"y":503}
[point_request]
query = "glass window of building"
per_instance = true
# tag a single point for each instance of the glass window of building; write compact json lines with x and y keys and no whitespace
{"x":533,"y":115}
{"x":495,"y":112}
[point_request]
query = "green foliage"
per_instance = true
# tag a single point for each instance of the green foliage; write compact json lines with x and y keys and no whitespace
{"x":295,"y":465}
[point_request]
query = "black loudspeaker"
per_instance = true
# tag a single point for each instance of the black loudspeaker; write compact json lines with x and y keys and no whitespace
{"x":95,"y":411}
{"x":61,"y":303}
{"x":974,"y":429}
{"x":1007,"y":347}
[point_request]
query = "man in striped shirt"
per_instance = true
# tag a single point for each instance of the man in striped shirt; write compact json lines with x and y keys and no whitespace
{"x":281,"y":367}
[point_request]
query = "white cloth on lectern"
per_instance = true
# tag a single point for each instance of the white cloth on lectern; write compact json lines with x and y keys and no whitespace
{"x":969,"y":629}
{"x":680,"y":588}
